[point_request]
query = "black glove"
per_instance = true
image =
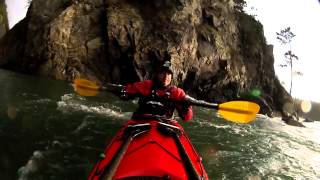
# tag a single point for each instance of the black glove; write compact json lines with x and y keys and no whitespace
{"x":185,"y":105}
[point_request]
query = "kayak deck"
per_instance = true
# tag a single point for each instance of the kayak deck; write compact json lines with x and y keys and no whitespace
{"x":150,"y":149}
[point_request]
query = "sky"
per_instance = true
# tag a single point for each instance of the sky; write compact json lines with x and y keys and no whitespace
{"x":303,"y":18}
{"x":17,"y":10}
{"x":275,"y":15}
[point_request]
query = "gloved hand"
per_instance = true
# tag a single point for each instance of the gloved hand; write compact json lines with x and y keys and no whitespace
{"x":185,"y":110}
{"x":185,"y":106}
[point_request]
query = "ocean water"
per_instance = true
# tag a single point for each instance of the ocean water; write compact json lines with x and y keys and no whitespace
{"x":49,"y":132}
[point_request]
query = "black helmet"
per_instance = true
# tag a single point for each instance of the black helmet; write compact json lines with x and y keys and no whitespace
{"x":166,"y":66}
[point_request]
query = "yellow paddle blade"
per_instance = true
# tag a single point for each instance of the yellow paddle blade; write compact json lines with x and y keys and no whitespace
{"x":85,"y":92}
{"x":84,"y":83}
{"x":85,"y":87}
{"x":239,"y":111}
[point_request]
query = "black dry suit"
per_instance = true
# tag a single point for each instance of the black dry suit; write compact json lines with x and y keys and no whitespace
{"x":156,"y":104}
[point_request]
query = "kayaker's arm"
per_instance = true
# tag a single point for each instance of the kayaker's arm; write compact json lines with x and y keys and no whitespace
{"x":184,"y":108}
{"x":235,"y":111}
{"x":114,"y":88}
{"x":129,"y":91}
{"x":118,"y":90}
{"x":185,"y":111}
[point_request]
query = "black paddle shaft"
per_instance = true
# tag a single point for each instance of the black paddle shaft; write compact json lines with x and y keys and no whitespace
{"x":117,"y":88}
{"x":201,"y":103}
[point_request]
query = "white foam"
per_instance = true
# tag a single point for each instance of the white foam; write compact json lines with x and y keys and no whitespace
{"x":33,"y":165}
{"x":298,"y":148}
{"x":70,"y":103}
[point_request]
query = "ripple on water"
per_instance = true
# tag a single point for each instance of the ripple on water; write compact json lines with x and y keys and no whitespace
{"x":294,"y":150}
{"x":71,"y":103}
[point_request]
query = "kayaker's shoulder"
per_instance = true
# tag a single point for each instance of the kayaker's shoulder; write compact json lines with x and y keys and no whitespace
{"x":178,"y":92}
{"x":177,"y":89}
{"x":146,"y":84}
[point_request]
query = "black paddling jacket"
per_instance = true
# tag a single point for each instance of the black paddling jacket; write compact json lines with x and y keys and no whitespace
{"x":158,"y":101}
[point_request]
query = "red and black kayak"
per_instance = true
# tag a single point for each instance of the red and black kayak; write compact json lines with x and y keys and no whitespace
{"x":150,"y":149}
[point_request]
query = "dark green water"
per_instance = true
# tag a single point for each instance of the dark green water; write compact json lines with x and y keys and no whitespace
{"x":49,"y":132}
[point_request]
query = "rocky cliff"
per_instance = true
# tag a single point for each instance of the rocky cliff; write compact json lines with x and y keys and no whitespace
{"x":218,"y":52}
{"x":3,"y":18}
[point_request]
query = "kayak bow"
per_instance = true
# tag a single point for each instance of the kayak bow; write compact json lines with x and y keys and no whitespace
{"x":150,"y":149}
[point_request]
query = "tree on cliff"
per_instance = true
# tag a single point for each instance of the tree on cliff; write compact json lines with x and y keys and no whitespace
{"x":285,"y":37}
{"x":240,"y":5}
{"x":4,"y":26}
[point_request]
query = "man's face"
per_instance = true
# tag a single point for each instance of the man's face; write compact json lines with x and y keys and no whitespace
{"x":165,"y":78}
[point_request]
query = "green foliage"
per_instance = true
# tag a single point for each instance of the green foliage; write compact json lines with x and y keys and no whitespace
{"x":3,"y":14}
{"x":251,"y":32}
{"x":285,"y":36}
{"x":29,"y":2}
{"x":240,"y":5}
{"x":64,"y":2}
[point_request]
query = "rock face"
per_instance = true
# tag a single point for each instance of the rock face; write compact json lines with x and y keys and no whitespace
{"x":218,"y":53}
{"x":3,"y":18}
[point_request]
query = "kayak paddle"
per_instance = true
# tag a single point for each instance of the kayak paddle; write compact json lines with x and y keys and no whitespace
{"x":235,"y":111}
{"x":86,"y":87}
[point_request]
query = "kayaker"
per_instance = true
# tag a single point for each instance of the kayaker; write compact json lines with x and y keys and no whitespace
{"x":133,"y":152}
{"x":158,"y":96}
